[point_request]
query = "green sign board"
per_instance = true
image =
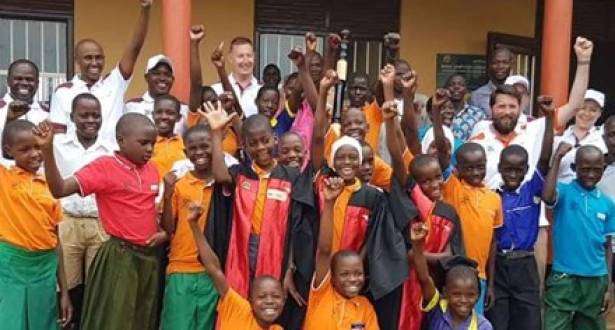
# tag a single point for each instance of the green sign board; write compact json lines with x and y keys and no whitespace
{"x":471,"y":66}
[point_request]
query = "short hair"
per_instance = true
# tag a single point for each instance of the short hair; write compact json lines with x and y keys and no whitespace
{"x":168,"y":97}
{"x":11,"y":130}
{"x":271,"y":66}
{"x":264,"y":89}
{"x":504,"y":90}
{"x":82,"y":42}
{"x":260,"y":279}
{"x":129,"y":121}
{"x":359,"y":75}
{"x":199,"y":128}
{"x":516,"y":150}
{"x":84,"y":97}
{"x":402,"y":62}
{"x":291,"y":133}
{"x":255,"y":121}
{"x":21,"y":61}
{"x":455,"y":75}
{"x":462,"y":272}
{"x":238,"y":41}
{"x":469,"y":147}
{"x":609,"y":121}
{"x":587,"y":151}
{"x":292,"y":76}
{"x":341,"y":254}
{"x":502,"y":49}
{"x":420,"y":161}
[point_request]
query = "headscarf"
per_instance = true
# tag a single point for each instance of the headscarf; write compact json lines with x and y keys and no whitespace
{"x":345,"y":141}
{"x":429,"y":138}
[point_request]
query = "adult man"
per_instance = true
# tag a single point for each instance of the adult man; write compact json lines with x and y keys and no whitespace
{"x":522,"y":85}
{"x":499,"y":69}
{"x":18,"y":102}
{"x":109,"y":89}
{"x":159,"y":78}
{"x":245,"y":85}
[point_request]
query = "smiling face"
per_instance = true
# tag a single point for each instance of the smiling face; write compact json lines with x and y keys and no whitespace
{"x":242,"y":59}
{"x":268,"y":103}
{"x":447,"y":112}
{"x":267,"y":301}
{"x":25,"y":151}
{"x":429,"y":178}
{"x":513,"y":168}
{"x":588,"y":115}
{"x":462,"y":294}
{"x":347,"y":276}
{"x":500,"y":65}
{"x":137,"y":145}
{"x":458,"y":87}
{"x":22,"y":82}
{"x":87,"y":118}
{"x":159,"y":80}
{"x":315,"y":66}
{"x":259,"y":143}
{"x":589,"y":166}
{"x":354,"y":124}
{"x":346,"y":163}
{"x":367,"y":167}
{"x":401,"y":68}
{"x":472,"y":166}
{"x":166,"y":115}
{"x":506,"y":113}
{"x":90,"y":59}
{"x":291,"y":151}
{"x":198,"y":150}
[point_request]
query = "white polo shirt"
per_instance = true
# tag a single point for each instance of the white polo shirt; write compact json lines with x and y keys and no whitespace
{"x":109,"y":90}
{"x":145,"y":106}
{"x":38,"y":112}
{"x":593,"y":138}
{"x":70,"y":158}
{"x":247,"y":96}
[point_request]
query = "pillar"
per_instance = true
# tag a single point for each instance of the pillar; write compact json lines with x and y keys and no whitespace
{"x":556,"y":50}
{"x":176,"y":18}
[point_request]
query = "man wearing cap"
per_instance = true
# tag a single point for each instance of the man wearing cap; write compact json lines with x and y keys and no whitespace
{"x":109,"y":89}
{"x":522,"y":85}
{"x":159,"y":78}
{"x":583,"y":132}
{"x":245,"y":85}
{"x":500,"y":64}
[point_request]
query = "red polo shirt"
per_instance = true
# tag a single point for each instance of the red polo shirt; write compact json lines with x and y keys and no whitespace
{"x":125,"y":195}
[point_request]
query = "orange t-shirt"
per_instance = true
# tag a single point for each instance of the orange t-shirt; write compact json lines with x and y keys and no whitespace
{"x":328,"y":310}
{"x":374,"y":118}
{"x":230,"y":143}
{"x":28,"y":212}
{"x":183,"y":254}
{"x":261,"y":196}
{"x":339,"y":213}
{"x":167,"y":151}
{"x":480,"y":211}
{"x":235,"y":313}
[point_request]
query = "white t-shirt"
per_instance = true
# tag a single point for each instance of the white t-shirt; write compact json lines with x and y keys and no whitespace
{"x":247,"y":96}
{"x":593,"y":138}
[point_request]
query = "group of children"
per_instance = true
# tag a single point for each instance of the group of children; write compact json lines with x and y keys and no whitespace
{"x":311,"y":228}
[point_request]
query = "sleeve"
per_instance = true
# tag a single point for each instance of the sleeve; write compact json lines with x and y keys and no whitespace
{"x":451,"y":186}
{"x":233,"y":306}
{"x":176,"y":202}
{"x":58,"y":114}
{"x":283,"y":122}
{"x":408,"y":158}
{"x":431,"y":305}
{"x":537,"y":183}
{"x":498,"y":220}
{"x":382,"y":174}
{"x":609,"y":226}
{"x":58,"y":214}
{"x":560,"y":195}
{"x":93,"y":178}
{"x":116,"y":78}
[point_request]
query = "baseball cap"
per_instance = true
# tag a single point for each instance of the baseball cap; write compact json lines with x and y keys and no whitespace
{"x":158,"y":59}
{"x":596,"y":96}
{"x":513,"y":80}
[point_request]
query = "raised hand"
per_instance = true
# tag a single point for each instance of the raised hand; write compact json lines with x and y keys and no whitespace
{"x":418,"y":232}
{"x":387,"y":75}
{"x":217,"y":118}
{"x":310,"y":42}
{"x":333,"y":188}
{"x":195,"y":210}
{"x":392,"y":41}
{"x":146,"y":3}
{"x":441,"y":96}
{"x":217,"y":57}
{"x":43,"y":135}
{"x":228,"y":101}
{"x":389,"y":110}
{"x":17,"y":109}
{"x":334,"y":41}
{"x":197,"y":32}
{"x":409,"y":82}
{"x":329,"y":80}
{"x":562,"y":149}
{"x":583,"y":48}
{"x":296,"y":55}
{"x":546,"y":104}
{"x":170,"y":179}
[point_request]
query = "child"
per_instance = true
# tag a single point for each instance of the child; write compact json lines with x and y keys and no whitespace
{"x":367,"y":166}
{"x":461,"y":291}
{"x":335,"y":302}
{"x":190,"y":297}
{"x":169,"y":147}
{"x":266,"y":297}
{"x":578,"y":289}
{"x":125,"y":185}
{"x":272,"y":76}
{"x":517,"y":289}
{"x":31,"y":261}
{"x":291,"y":151}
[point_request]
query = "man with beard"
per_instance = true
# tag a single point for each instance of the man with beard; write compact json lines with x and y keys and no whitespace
{"x":18,"y":102}
{"x":109,"y":89}
{"x":499,"y":69}
{"x":159,"y":76}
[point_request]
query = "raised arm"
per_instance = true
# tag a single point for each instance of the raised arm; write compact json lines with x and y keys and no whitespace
{"x":307,"y":84}
{"x":389,"y":110}
{"x":418,"y":232}
{"x":168,"y":220}
{"x":129,"y":58}
{"x":230,"y":104}
{"x":441,"y":96}
{"x":333,"y":188}
{"x":321,"y":124}
{"x":332,"y":52}
{"x":391,"y":46}
{"x":43,"y":133}
{"x":208,"y":258}
{"x":583,"y":49}
{"x":549,"y":192}
{"x":546,"y":105}
{"x":197,"y":32}
{"x":217,"y":59}
{"x":218,"y":119}
{"x":387,"y":78}
{"x":409,"y":122}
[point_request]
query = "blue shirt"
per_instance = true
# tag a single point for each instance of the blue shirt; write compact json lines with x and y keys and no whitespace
{"x":465,"y":120}
{"x":283,"y":122}
{"x":521,"y":215}
{"x":481,"y":97}
{"x":583,"y":220}
{"x":438,"y":317}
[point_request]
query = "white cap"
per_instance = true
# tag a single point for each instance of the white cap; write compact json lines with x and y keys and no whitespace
{"x":155,"y":60}
{"x":513,"y":80}
{"x":596,"y":96}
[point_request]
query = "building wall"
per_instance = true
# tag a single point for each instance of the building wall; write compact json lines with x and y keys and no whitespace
{"x":460,"y":27}
{"x":111,"y":22}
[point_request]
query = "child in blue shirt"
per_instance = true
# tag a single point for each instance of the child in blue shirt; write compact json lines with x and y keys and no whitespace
{"x":578,"y":289}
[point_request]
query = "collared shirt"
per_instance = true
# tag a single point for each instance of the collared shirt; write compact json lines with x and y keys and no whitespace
{"x":28,"y":212}
{"x":283,"y":121}
{"x":439,"y":317}
{"x":465,"y":120}
{"x":38,"y":113}
{"x":70,"y":158}
{"x":180,"y":168}
{"x":521,"y":215}
{"x":328,"y":310}
{"x":145,"y":106}
{"x":593,"y":138}
{"x":183,"y":254}
{"x":583,"y":220}
{"x":235,"y":312}
{"x":110,"y":92}
{"x":167,"y":151}
{"x":261,"y":196}
{"x":125,"y":195}
{"x":247,"y":95}
{"x":482,"y":96}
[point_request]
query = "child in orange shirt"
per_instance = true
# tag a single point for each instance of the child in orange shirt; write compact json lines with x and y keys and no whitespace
{"x":266,"y":298}
{"x":334,"y":301}
{"x":30,"y":253}
{"x":169,"y":147}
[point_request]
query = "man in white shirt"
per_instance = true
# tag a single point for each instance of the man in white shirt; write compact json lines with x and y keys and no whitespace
{"x":18,"y":102}
{"x":159,"y":77}
{"x":109,"y":89}
{"x":245,"y":85}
